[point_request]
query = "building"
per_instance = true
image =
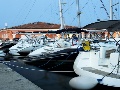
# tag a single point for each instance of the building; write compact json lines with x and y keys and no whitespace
{"x":14,"y":32}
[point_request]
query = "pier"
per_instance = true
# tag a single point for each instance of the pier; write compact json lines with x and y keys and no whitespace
{"x":11,"y":80}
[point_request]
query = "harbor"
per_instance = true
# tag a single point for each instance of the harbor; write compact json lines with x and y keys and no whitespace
{"x":52,"y":65}
{"x":36,"y":78}
{"x":17,"y":75}
{"x":72,"y":50}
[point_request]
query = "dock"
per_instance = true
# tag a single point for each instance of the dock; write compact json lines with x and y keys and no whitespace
{"x":11,"y":80}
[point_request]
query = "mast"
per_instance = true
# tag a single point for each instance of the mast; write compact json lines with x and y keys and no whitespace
{"x":61,"y":15}
{"x":111,"y":16}
{"x":78,"y":13}
{"x":111,"y":10}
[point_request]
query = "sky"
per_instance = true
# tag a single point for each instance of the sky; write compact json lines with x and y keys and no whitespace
{"x":19,"y":12}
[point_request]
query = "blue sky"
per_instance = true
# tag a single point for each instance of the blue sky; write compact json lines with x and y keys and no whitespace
{"x":18,"y":12}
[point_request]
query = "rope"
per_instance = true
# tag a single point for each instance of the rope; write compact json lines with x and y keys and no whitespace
{"x":29,"y":11}
{"x":105,"y":8}
{"x":94,"y":9}
{"x":66,"y":58}
{"x":99,"y":80}
{"x":44,"y":64}
{"x":20,"y":12}
{"x":118,"y":59}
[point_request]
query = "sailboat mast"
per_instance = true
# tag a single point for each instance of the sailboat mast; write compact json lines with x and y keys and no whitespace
{"x":78,"y":13}
{"x":61,"y":15}
{"x":111,"y":10}
{"x":111,"y":16}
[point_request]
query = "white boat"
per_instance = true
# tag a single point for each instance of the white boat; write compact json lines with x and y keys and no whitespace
{"x":25,"y":45}
{"x":33,"y":44}
{"x":52,"y":48}
{"x":99,"y":65}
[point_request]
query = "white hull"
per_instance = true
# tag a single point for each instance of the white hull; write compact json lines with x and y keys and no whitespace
{"x":107,"y":80}
{"x":48,"y":50}
{"x":44,"y":50}
{"x":29,"y":49}
{"x":24,"y":45}
{"x":14,"y":52}
{"x":99,"y":65}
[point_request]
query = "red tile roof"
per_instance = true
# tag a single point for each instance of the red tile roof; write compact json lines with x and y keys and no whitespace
{"x":39,"y":25}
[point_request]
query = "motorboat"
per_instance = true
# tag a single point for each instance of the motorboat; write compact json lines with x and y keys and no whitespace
{"x":25,"y":45}
{"x":33,"y":44}
{"x":54,"y":56}
{"x":57,"y":46}
{"x":20,"y":44}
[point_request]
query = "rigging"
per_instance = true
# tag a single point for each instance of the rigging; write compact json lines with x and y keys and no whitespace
{"x":105,"y":8}
{"x":29,"y":11}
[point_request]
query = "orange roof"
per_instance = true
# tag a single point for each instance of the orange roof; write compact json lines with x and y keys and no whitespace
{"x":39,"y":25}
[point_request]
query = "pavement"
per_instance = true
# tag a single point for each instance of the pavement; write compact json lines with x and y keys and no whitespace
{"x":11,"y":80}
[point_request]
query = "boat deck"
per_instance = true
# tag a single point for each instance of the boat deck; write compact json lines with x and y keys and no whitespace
{"x":96,"y":71}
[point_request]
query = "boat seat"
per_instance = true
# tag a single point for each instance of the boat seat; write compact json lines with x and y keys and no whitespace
{"x":108,"y":52}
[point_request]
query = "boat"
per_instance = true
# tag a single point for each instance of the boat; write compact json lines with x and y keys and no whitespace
{"x":100,"y":64}
{"x":57,"y":54}
{"x":58,"y":45}
{"x":25,"y":45}
{"x":34,"y":43}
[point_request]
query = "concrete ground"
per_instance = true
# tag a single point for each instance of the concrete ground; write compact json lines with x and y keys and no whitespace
{"x":11,"y":80}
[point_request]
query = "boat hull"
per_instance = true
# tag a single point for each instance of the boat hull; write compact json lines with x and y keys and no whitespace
{"x":27,"y":50}
{"x":62,"y":60}
{"x":102,"y":77}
